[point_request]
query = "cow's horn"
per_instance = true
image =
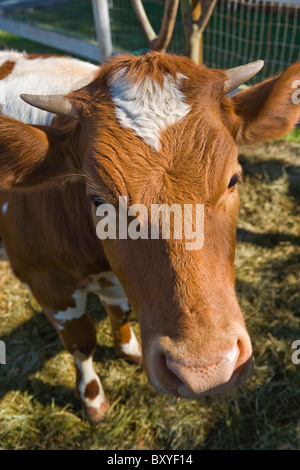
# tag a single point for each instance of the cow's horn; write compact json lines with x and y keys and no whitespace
{"x":57,"y":104}
{"x":239,"y":75}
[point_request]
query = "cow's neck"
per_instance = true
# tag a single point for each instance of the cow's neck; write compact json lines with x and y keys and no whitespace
{"x":62,"y":213}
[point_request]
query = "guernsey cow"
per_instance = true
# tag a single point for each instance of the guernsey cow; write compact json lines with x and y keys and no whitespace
{"x":154,"y":129}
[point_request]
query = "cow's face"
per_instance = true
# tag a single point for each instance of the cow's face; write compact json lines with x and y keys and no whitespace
{"x":164,"y":141}
{"x":158,"y":130}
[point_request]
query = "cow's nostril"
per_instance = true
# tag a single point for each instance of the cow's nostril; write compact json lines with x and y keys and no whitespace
{"x":211,"y":371}
{"x":191,"y":377}
{"x":169,"y":377}
{"x":244,"y":364}
{"x":195,"y":377}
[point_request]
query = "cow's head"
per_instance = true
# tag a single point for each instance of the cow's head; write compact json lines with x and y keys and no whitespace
{"x":159,"y":129}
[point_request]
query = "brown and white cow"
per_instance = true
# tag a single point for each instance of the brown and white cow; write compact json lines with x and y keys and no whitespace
{"x":157,"y":129}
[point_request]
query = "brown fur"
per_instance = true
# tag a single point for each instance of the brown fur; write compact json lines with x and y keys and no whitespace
{"x":120,"y":327}
{"x":91,"y":390}
{"x":6,"y":68}
{"x":185,"y":300}
{"x":39,"y":56}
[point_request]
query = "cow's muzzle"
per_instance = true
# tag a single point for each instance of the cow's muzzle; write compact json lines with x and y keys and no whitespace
{"x":191,"y":376}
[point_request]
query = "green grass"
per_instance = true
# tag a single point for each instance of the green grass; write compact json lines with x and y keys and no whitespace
{"x":73,"y":18}
{"x":293,"y":136}
{"x":37,"y":405}
{"x":11,"y":41}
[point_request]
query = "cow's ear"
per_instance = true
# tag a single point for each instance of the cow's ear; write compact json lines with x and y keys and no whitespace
{"x":31,"y":156}
{"x":268,"y":110}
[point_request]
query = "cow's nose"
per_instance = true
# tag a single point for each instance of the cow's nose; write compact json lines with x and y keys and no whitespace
{"x":190,"y":378}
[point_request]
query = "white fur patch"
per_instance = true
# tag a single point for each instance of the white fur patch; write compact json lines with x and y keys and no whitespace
{"x":146,"y":107}
{"x":4,"y":208}
{"x":131,"y":348}
{"x":42,"y":76}
{"x":87,"y":375}
{"x":121,"y":303}
{"x":113,"y":295}
{"x":72,"y":312}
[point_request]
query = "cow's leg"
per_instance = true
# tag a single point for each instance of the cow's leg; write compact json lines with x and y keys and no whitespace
{"x":78,"y":335}
{"x":115,"y":302}
{"x":3,"y":255}
{"x":125,"y":342}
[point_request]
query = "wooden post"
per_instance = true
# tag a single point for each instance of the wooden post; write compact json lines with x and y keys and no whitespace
{"x":160,"y":41}
{"x":187,"y":24}
{"x":101,"y":18}
{"x":196,"y":13}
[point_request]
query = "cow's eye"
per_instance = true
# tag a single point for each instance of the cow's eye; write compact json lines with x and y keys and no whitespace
{"x":233,"y":181}
{"x":97,"y":201}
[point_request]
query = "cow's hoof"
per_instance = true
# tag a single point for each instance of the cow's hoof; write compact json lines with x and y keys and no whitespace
{"x":96,"y":415}
{"x":136,"y":358}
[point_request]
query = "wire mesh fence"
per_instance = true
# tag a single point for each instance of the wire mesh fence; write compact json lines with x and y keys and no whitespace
{"x":126,"y":31}
{"x":238,"y":31}
{"x":249,"y":30}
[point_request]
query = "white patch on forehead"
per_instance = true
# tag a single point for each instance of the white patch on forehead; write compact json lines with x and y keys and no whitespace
{"x":132,"y":348}
{"x":88,"y":375}
{"x":146,"y":107}
{"x":72,"y":312}
{"x":4,"y":208}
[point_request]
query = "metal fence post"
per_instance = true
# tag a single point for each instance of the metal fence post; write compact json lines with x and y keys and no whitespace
{"x":102,"y":23}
